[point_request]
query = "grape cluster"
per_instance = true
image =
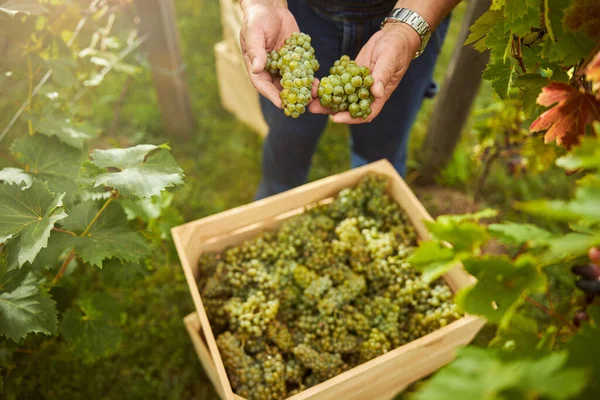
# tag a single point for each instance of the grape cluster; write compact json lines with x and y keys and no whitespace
{"x":330,"y":289}
{"x":295,"y":62}
{"x":347,"y":88}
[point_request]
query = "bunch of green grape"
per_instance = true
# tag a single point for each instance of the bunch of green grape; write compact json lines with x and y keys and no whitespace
{"x":347,"y":88}
{"x":295,"y":62}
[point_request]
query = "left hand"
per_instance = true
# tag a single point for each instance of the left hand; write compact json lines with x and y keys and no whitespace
{"x":388,"y":54}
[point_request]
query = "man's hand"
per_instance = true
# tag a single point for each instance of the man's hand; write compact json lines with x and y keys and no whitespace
{"x":388,"y":54}
{"x":266,"y":25}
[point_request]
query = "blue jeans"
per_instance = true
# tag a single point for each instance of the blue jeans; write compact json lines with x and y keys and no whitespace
{"x":290,"y":144}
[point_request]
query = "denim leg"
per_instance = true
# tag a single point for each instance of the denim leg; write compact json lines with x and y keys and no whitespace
{"x":386,"y":137}
{"x":290,"y":143}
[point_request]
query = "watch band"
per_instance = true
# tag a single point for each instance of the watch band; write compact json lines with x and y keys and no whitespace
{"x":414,"y":20}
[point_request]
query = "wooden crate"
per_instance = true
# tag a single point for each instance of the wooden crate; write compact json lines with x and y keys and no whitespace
{"x":231,"y":22}
{"x":380,"y":378}
{"x":238,"y":96}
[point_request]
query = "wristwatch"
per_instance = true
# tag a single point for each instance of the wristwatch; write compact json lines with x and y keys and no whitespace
{"x":414,"y":20}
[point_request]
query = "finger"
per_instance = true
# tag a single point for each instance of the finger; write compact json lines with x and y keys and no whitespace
{"x":263,"y":82}
{"x":316,"y":108}
{"x":315,"y":88}
{"x":253,"y":41}
{"x":385,"y":64}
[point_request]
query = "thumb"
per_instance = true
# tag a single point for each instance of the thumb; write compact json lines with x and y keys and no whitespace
{"x":384,"y":66}
{"x":255,"y":48}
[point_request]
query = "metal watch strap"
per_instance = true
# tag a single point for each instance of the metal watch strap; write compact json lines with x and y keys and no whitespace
{"x":414,"y":20}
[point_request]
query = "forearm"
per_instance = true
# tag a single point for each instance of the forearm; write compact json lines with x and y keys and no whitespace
{"x":275,"y":3}
{"x":433,"y":11}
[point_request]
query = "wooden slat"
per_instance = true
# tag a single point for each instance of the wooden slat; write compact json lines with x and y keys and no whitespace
{"x":374,"y":379}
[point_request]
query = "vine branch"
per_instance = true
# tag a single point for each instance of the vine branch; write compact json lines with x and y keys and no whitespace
{"x":551,"y":313}
{"x":71,"y":255}
{"x":64,"y":231}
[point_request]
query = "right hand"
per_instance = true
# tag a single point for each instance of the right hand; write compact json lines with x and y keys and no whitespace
{"x":265,"y":28}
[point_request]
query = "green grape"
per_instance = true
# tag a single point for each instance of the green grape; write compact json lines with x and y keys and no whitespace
{"x":353,"y":108}
{"x":338,"y":90}
{"x":356,"y":81}
{"x":300,"y":108}
{"x":343,"y":106}
{"x":364,"y":105}
{"x":345,"y":58}
{"x":295,"y":114}
{"x":368,"y":81}
{"x":364,"y":71}
{"x":353,"y":98}
{"x":346,"y":78}
{"x":349,"y":89}
{"x":328,"y":89}
{"x":363,"y":93}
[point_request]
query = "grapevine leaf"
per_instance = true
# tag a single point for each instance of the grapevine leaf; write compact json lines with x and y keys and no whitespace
{"x":464,"y":237}
{"x":92,"y":328}
{"x":518,"y":334}
{"x":147,"y":209}
{"x":500,"y":284}
{"x":27,"y":309}
{"x":568,"y":247}
{"x":500,"y":73}
{"x":11,"y":279}
{"x":585,"y":205}
{"x":518,"y":234}
{"x":433,"y":259}
{"x":120,"y":274}
{"x":15,"y":176}
{"x":585,"y":156}
{"x":581,"y":346}
{"x":531,"y":85}
{"x":476,"y":216}
{"x":64,"y":130}
{"x":566,"y":121}
{"x":584,"y":16}
{"x":569,"y":47}
{"x":143,"y":170}
{"x":481,"y":28}
{"x":109,"y":237}
{"x":475,"y":374}
{"x":522,"y":16}
{"x":63,"y":72}
{"x":29,"y":214}
{"x":482,"y":374}
{"x":29,"y":7}
{"x":51,"y":161}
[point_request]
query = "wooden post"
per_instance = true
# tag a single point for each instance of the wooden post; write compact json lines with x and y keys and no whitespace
{"x":459,"y":89}
{"x":157,"y":20}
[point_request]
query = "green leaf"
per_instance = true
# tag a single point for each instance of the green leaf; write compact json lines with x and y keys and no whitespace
{"x":147,"y":209}
{"x":109,"y":237}
{"x":475,"y":374}
{"x":518,"y":333}
{"x":11,"y":279}
{"x":29,"y":214}
{"x":531,"y":85}
{"x":585,"y":205}
{"x":63,"y":72}
{"x":118,"y":274}
{"x":518,"y":234}
{"x":29,"y":7}
{"x":92,"y":328}
{"x":500,"y":284}
{"x":481,"y":28}
{"x":569,"y":47}
{"x":482,"y":374}
{"x":587,"y":155}
{"x":522,"y":16}
{"x":142,"y":171}
{"x":15,"y":176}
{"x":27,"y":309}
{"x":582,"y":346}
{"x":501,"y":74}
{"x":433,"y":259}
{"x":476,"y":216}
{"x":567,"y":248}
{"x":64,"y":130}
{"x":464,"y":237}
{"x":51,"y":161}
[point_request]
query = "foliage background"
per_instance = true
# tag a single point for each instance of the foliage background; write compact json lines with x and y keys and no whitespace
{"x":222,"y":166}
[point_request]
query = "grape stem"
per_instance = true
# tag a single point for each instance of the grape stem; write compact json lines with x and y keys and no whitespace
{"x":550,"y":313}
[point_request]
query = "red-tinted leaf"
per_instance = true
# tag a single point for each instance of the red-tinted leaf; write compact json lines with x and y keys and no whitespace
{"x":566,"y":121}
{"x":584,"y":16}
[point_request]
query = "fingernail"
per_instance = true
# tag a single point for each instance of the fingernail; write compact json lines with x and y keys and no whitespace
{"x":380,"y":88}
{"x":255,"y":65}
